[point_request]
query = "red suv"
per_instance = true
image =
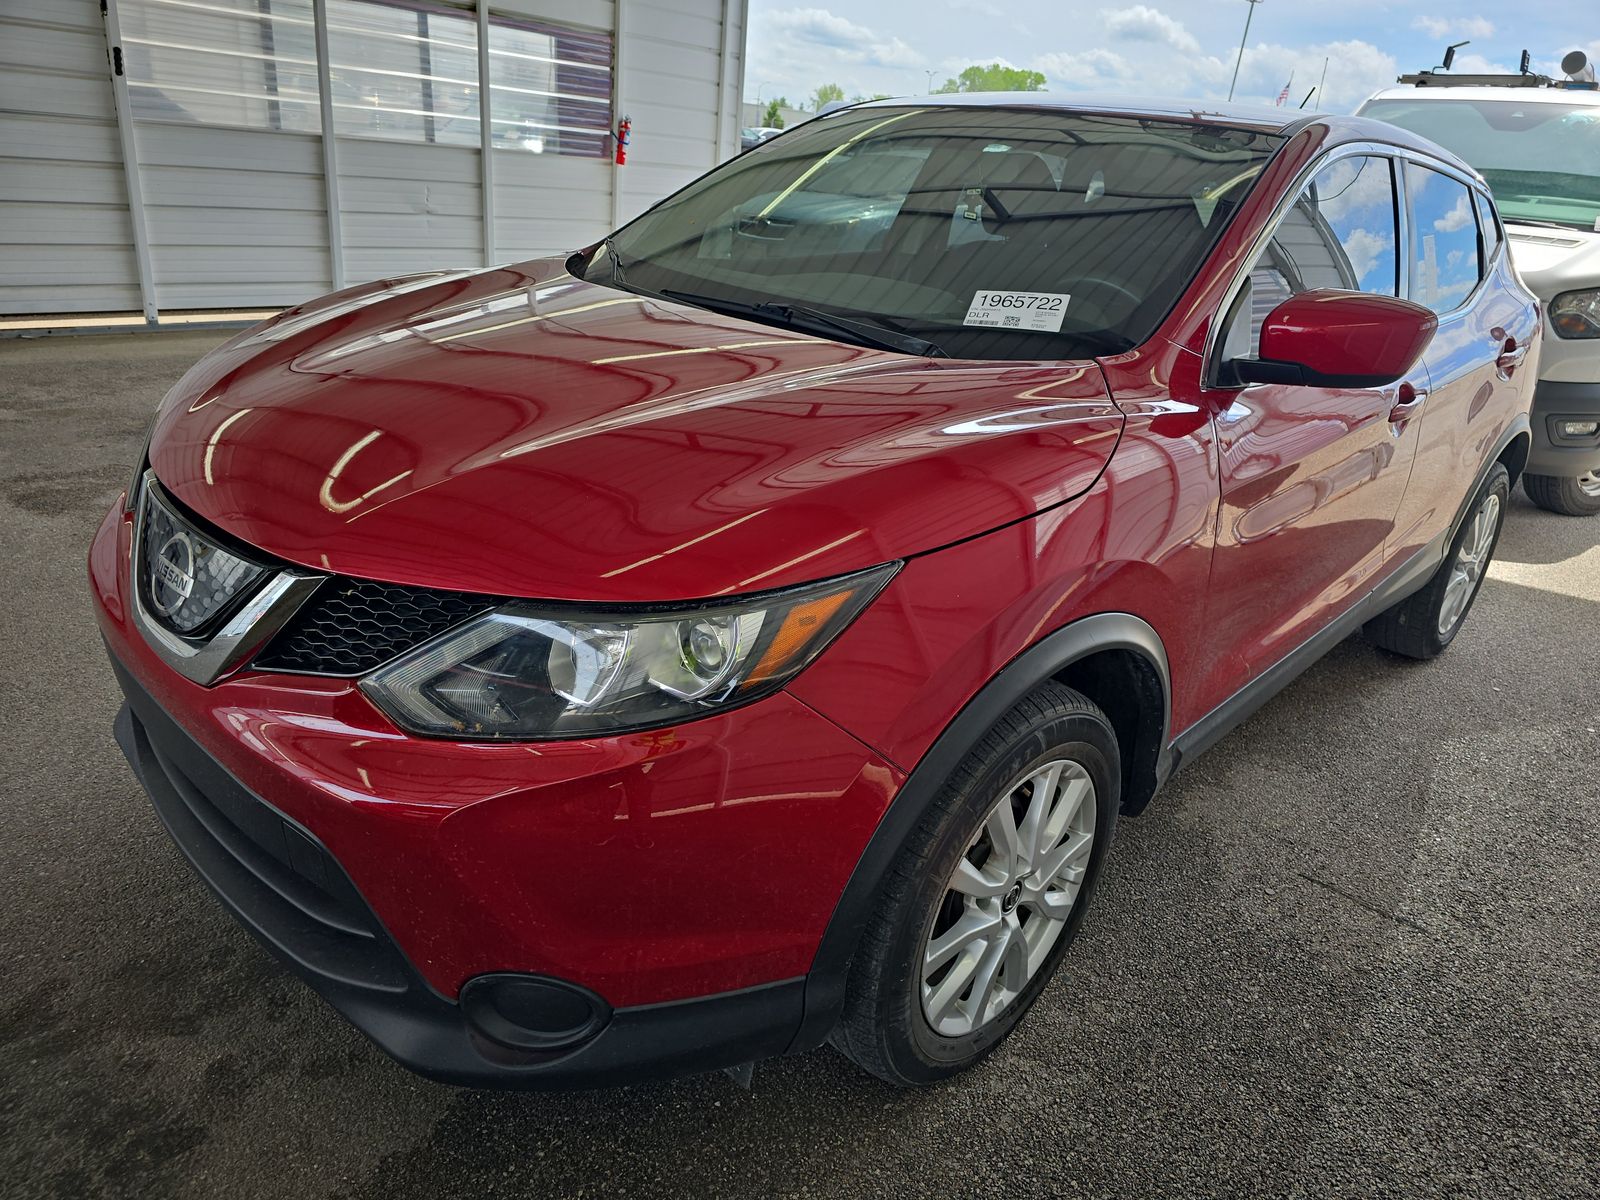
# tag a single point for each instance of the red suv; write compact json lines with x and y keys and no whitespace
{"x":745,"y":633}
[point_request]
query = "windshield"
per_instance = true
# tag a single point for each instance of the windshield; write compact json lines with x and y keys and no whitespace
{"x":1540,"y":159}
{"x":973,"y":232}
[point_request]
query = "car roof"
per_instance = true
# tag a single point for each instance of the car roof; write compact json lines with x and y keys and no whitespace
{"x":1245,"y":116}
{"x":1537,"y":95}
{"x":1260,"y":117}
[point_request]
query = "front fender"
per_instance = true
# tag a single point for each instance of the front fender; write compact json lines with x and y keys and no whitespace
{"x":1047,"y":659}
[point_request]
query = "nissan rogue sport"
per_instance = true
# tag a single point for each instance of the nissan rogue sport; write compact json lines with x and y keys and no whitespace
{"x":745,"y":632}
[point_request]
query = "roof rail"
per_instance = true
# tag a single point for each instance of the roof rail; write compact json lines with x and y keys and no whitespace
{"x":1580,"y":74}
{"x":1430,"y":79}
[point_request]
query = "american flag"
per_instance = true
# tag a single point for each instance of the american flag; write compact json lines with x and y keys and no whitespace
{"x":1284,"y":95}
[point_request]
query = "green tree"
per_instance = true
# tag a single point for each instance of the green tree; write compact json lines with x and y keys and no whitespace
{"x":994,"y":78}
{"x":773,"y":117}
{"x":874,"y":96}
{"x":829,"y":92}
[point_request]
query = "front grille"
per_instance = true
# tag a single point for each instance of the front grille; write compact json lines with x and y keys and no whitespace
{"x":185,"y":576}
{"x":351,"y":626}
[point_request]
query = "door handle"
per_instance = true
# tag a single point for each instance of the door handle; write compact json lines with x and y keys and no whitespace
{"x":1510,"y":356}
{"x":1408,"y":400}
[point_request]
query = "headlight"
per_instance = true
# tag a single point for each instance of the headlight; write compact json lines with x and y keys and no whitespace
{"x":1576,"y":314}
{"x":529,"y":672}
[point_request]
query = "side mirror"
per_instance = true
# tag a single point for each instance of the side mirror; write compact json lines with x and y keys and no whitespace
{"x":1336,"y":339}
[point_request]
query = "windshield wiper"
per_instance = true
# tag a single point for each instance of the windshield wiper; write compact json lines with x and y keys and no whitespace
{"x":613,"y":258}
{"x":815,"y":320}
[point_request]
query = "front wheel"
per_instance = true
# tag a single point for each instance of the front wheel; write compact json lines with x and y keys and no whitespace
{"x":1571,"y":496}
{"x":989,"y":891}
{"x":1424,"y":623}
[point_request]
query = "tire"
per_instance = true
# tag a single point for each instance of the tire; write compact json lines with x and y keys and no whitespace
{"x":1424,"y":623}
{"x":885,"y":1027}
{"x":1564,"y":494}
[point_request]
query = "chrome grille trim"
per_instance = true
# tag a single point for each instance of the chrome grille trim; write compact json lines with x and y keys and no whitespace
{"x":206,"y":660}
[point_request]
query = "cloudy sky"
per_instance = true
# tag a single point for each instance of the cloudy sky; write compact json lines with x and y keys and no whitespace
{"x":1167,"y":48}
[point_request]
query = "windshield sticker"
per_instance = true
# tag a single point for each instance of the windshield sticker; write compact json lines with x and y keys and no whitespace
{"x":1040,"y":312}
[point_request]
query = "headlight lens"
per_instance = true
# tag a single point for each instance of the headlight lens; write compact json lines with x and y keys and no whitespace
{"x":530,"y":672}
{"x":1576,"y":314}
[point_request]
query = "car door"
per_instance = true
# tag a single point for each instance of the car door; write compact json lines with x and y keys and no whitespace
{"x":1456,"y":265}
{"x":1311,"y":477}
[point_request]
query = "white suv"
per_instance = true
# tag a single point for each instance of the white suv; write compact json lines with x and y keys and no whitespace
{"x":1537,"y":145}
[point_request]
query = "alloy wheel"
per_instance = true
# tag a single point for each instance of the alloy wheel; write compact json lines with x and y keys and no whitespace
{"x":1009,"y":897}
{"x":1472,"y":559}
{"x":1589,"y":483}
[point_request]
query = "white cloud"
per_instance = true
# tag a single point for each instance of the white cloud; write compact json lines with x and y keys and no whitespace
{"x":1356,"y":69}
{"x":794,"y":50}
{"x":1089,"y":69}
{"x":1172,"y":48}
{"x":1457,"y":218}
{"x":1141,"y":23}
{"x":976,"y":8}
{"x":821,"y":28}
{"x":1454,"y":28}
{"x":843,"y":39}
{"x":1477,"y":64}
{"x":1365,"y":249}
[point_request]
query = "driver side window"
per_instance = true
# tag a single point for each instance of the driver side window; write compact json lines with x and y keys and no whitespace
{"x":1339,"y":233}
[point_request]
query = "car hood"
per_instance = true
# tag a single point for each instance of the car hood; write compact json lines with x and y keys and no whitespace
{"x":1552,"y":261}
{"x":520,"y":432}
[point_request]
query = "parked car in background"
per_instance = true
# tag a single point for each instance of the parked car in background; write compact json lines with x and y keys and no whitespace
{"x":725,"y":640}
{"x":755,"y":136}
{"x":1537,"y":144}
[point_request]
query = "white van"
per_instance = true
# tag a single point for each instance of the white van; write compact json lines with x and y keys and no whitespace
{"x":1536,"y":143}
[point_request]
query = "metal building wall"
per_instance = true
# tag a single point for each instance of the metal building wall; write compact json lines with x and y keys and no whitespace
{"x":66,"y":240}
{"x":238,"y":217}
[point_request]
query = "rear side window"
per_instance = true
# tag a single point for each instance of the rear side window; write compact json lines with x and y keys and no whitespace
{"x":1339,"y":233}
{"x":1445,"y":264}
{"x":1489,"y":225}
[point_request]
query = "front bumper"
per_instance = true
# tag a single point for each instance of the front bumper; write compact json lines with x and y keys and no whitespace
{"x":682,"y":878}
{"x":1552,"y":454}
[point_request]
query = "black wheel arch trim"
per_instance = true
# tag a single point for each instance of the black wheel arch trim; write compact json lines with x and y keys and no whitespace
{"x":1520,"y":427}
{"x":1043,"y":661}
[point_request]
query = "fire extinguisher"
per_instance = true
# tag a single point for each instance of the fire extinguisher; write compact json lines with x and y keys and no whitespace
{"x":624,"y":136}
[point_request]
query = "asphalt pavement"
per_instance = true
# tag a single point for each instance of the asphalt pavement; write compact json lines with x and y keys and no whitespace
{"x":1353,"y":951}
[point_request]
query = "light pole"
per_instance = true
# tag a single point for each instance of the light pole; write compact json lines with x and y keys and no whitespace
{"x":930,"y":75}
{"x":1248,"y":13}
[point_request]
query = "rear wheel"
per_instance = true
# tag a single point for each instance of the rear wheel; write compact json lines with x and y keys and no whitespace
{"x":1572,"y":496}
{"x":988,"y":893}
{"x":1423,"y":624}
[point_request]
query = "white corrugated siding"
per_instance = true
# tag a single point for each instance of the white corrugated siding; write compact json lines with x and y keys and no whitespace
{"x":672,"y":84}
{"x":545,"y":204}
{"x":238,"y":217}
{"x":406,"y":206}
{"x":66,"y":242}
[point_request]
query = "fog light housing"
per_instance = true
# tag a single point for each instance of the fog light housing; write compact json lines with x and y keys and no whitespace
{"x":1577,"y":429}
{"x":531,"y":1012}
